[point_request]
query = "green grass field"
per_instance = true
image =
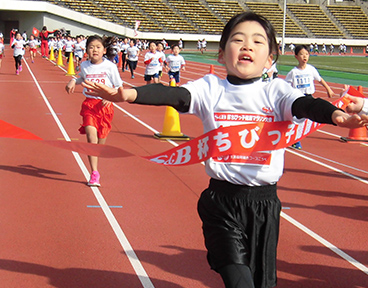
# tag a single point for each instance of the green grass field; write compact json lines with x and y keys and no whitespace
{"x":351,"y":70}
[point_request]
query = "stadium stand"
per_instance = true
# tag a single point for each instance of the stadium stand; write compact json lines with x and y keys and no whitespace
{"x":198,"y":13}
{"x":225,"y":9}
{"x":315,"y":20}
{"x":352,"y":18}
{"x":274,"y":13}
{"x":210,"y":16}
{"x":169,"y":19}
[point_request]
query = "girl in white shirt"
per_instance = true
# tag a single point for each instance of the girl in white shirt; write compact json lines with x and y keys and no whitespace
{"x":240,"y":210}
{"x":18,"y":45}
{"x":97,"y":113}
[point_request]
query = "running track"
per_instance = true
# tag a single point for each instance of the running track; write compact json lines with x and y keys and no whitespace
{"x":140,"y":228}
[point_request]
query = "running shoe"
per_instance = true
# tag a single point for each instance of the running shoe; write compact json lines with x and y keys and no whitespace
{"x":17,"y":72}
{"x":132,"y":76}
{"x":20,"y":68}
{"x":95,"y":179}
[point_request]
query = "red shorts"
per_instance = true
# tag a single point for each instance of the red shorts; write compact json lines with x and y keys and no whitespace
{"x":96,"y":115}
{"x":1,"y":56}
{"x":33,"y":50}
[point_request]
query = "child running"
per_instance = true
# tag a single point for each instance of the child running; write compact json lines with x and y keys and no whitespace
{"x":175,"y":63}
{"x":2,"y":51}
{"x":240,"y":209}
{"x":161,"y":51}
{"x":153,"y":62}
{"x":132,"y":57}
{"x":97,"y":113}
{"x":79,"y":52}
{"x":18,"y":45}
{"x":32,"y":44}
{"x":302,"y":77}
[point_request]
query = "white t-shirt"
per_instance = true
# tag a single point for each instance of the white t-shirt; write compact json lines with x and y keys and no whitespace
{"x":79,"y":49}
{"x":154,"y":66}
{"x":218,"y":103}
{"x":2,"y":47}
{"x":175,"y":62}
{"x":69,"y":46}
{"x":303,"y":79}
{"x":124,"y":47}
{"x":132,"y":53}
{"x":33,"y":43}
{"x":106,"y":73}
{"x":18,"y":46}
{"x":365,"y":107}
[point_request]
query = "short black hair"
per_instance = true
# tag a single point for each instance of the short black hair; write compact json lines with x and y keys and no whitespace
{"x":299,"y":48}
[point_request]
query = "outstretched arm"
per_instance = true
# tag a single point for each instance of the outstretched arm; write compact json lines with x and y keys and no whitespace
{"x":111,"y":94}
{"x":152,"y":94}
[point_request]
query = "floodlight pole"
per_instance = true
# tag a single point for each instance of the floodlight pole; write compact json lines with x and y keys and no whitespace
{"x":283,"y":29}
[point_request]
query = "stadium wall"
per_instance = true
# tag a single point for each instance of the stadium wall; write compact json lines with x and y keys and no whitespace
{"x":31,"y":14}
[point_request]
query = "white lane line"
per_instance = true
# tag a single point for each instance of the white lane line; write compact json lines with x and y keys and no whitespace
{"x":133,"y":258}
{"x":324,"y":242}
{"x":328,"y":166}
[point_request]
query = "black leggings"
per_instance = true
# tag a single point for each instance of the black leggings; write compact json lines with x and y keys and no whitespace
{"x":132,"y":65}
{"x":18,"y":61}
{"x":236,"y":276}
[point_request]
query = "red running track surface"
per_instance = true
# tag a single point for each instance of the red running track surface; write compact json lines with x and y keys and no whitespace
{"x":141,"y":228}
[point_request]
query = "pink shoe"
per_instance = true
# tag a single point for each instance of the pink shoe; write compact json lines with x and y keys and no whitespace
{"x":20,"y":68}
{"x":17,"y":72}
{"x":95,"y":179}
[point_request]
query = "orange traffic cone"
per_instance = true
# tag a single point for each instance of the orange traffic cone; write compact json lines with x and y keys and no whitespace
{"x":70,"y":71}
{"x":52,"y":56}
{"x":171,"y":129}
{"x":60,"y":59}
{"x":212,"y":70}
{"x":357,"y":134}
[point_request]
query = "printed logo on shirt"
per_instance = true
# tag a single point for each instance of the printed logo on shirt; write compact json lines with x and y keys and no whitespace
{"x":240,"y":117}
{"x":254,"y":158}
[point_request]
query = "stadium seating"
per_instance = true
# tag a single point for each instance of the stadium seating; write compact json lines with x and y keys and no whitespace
{"x":199,"y":15}
{"x":317,"y":21}
{"x":168,"y":19}
{"x":225,"y":9}
{"x":210,"y":16}
{"x":274,"y":13}
{"x":352,"y":18}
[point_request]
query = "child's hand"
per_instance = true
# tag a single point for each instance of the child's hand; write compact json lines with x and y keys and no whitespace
{"x":343,"y":119}
{"x":111,"y":94}
{"x":70,"y":86}
{"x":99,"y":89}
